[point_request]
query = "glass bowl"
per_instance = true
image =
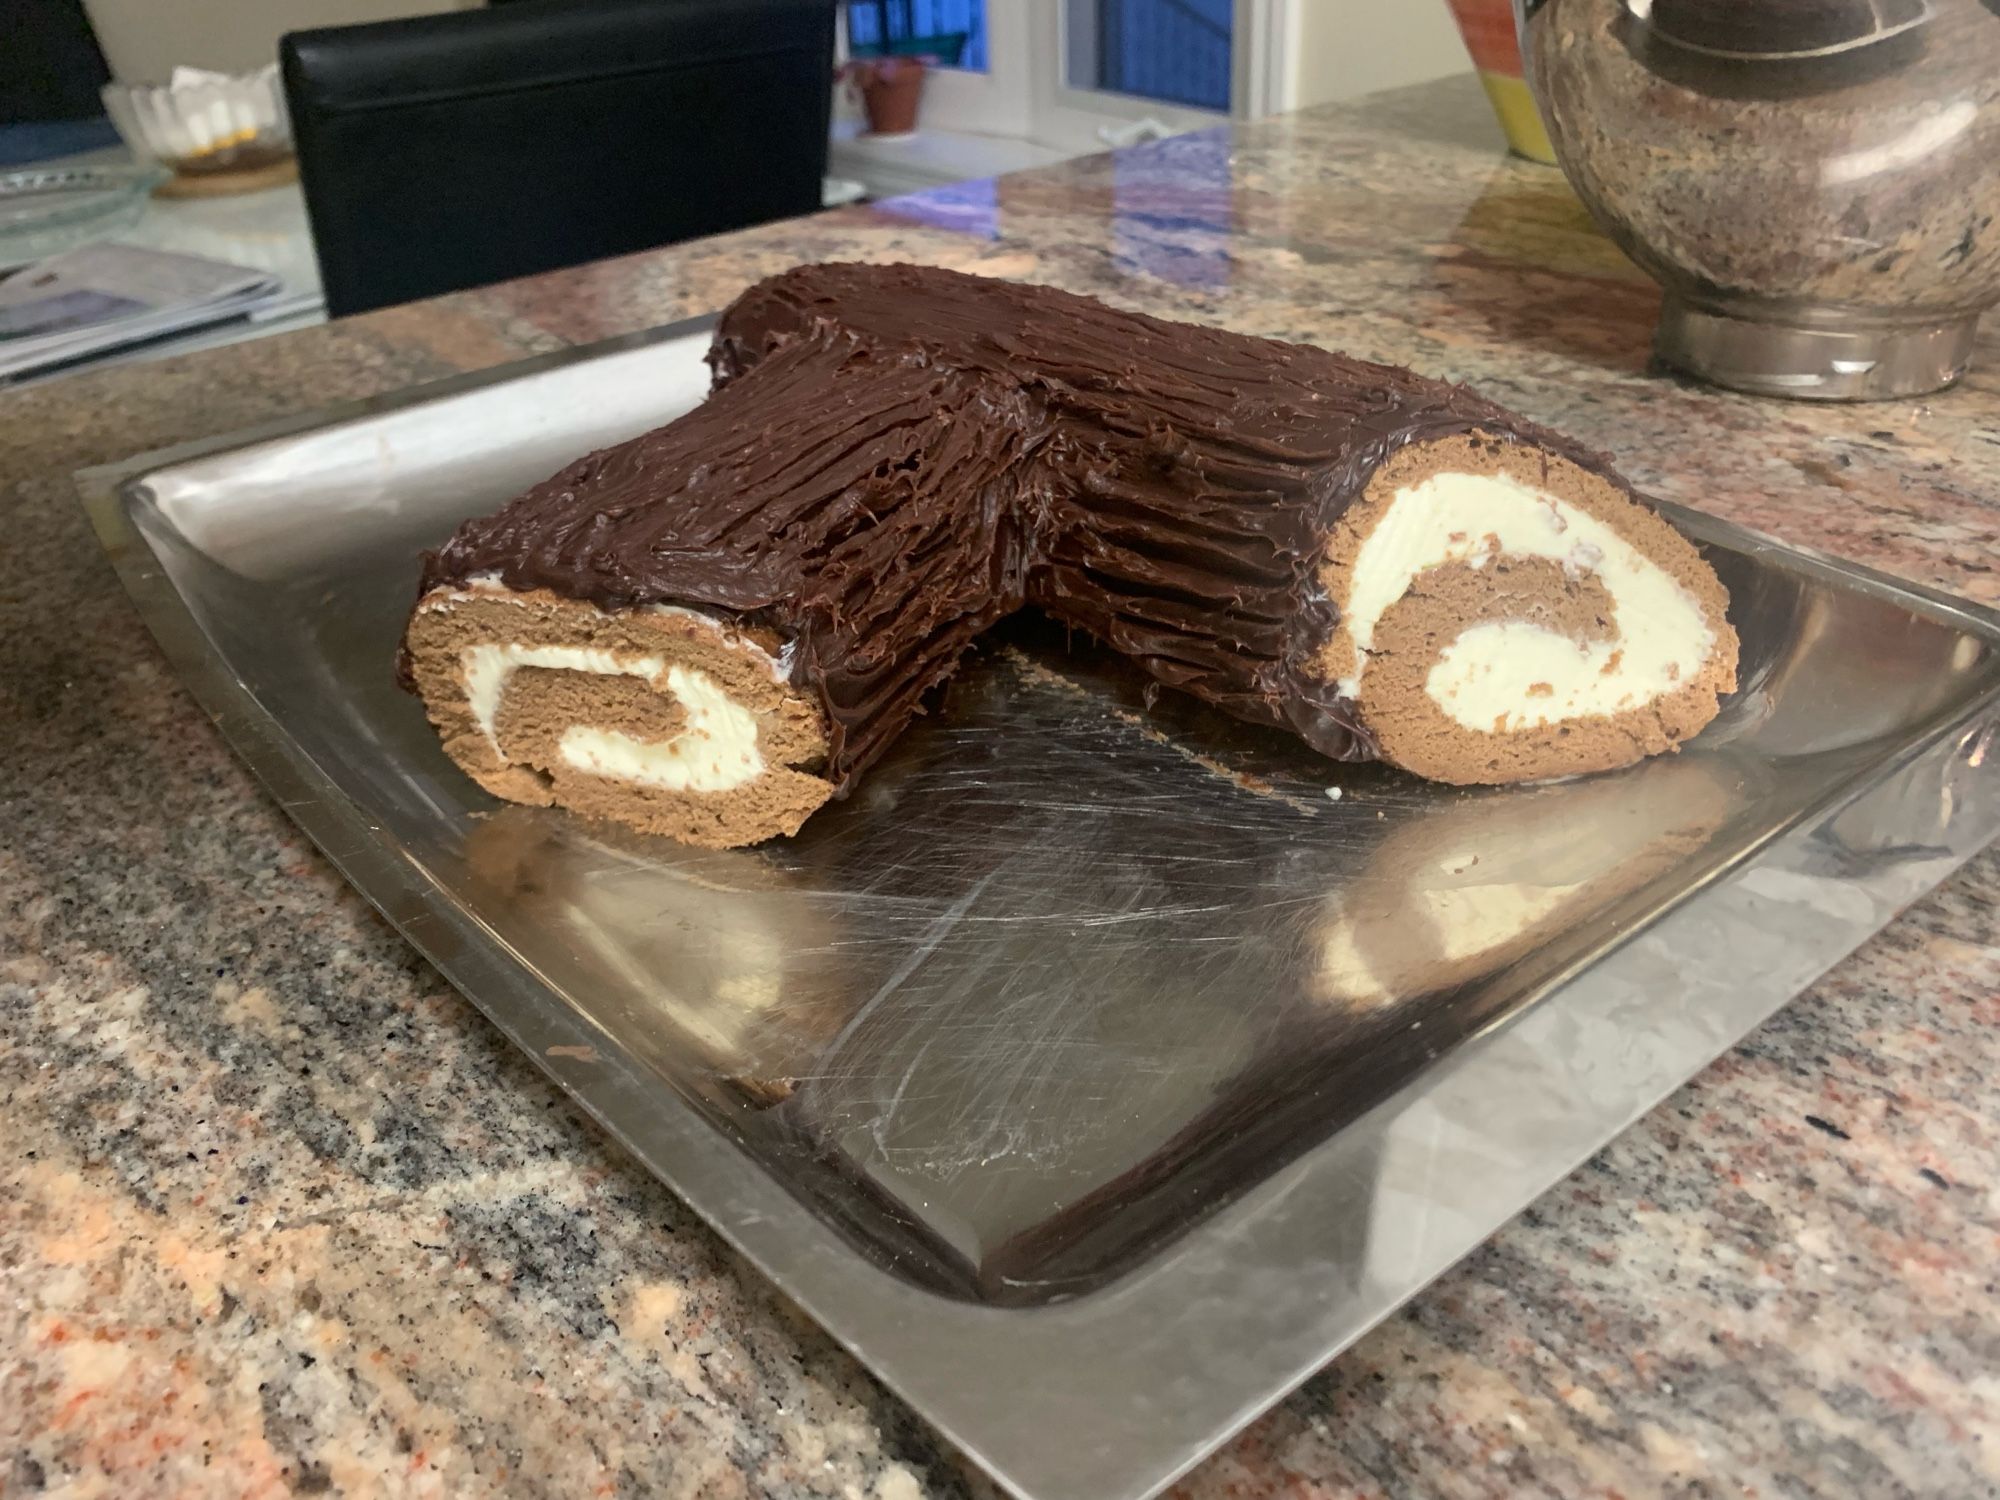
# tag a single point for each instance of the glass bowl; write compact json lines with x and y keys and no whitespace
{"x":202,"y":123}
{"x":1816,"y":183}
{"x":46,"y":210}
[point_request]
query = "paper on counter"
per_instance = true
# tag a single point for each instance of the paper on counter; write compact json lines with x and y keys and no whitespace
{"x":106,"y":296}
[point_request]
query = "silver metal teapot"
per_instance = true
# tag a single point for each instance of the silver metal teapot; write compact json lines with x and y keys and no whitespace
{"x":1816,"y":183}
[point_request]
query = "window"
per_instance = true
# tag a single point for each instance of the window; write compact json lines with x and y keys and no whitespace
{"x":1067,"y":74}
{"x":1174,"y":51}
{"x":1100,"y":66}
{"x":1037,"y":80}
{"x":952,"y":31}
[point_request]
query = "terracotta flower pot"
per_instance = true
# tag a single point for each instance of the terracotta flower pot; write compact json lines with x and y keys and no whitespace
{"x":890,"y":88}
{"x":1488,"y":29}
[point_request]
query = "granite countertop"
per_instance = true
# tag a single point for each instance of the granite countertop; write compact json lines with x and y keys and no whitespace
{"x":279,"y":1212}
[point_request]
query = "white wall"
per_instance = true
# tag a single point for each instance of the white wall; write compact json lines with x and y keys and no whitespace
{"x":1341,"y":49}
{"x":144,"y":40}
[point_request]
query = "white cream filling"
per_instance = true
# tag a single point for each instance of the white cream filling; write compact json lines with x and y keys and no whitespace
{"x":715,"y":751}
{"x":1512,"y":674}
{"x":487,"y":588}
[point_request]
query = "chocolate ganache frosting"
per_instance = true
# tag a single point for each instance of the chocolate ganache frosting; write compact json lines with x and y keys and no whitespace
{"x":895,"y":458}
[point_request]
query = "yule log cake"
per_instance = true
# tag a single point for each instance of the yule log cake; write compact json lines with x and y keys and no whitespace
{"x":714,"y":628}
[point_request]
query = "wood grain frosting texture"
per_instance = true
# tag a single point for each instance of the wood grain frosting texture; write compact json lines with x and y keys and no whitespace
{"x":895,"y":458}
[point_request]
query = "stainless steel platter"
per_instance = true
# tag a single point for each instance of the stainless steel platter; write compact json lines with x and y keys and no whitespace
{"x":1098,"y":1070}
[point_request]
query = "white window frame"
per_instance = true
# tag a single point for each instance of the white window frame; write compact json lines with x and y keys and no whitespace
{"x":1025,"y":92}
{"x":994,"y":102}
{"x":1065,"y":115}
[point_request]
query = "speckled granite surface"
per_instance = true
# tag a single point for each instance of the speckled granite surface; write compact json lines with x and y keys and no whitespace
{"x":279,"y":1213}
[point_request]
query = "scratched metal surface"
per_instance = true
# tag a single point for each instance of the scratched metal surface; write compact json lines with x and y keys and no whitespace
{"x":1058,"y":1022}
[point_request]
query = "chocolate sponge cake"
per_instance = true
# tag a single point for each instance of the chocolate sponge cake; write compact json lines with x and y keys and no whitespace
{"x":710,"y":630}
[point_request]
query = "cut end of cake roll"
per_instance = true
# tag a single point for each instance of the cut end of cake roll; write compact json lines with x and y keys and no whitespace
{"x":1505,"y":615}
{"x":667,"y":719}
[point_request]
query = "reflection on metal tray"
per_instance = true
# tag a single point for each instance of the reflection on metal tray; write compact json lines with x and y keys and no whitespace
{"x":1094,"y":1072}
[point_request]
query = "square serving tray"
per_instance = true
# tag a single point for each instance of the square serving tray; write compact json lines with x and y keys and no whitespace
{"x":1101,"y":1068}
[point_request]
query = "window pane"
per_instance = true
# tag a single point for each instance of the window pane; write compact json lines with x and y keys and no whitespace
{"x":1176,"y":51}
{"x":952,"y":31}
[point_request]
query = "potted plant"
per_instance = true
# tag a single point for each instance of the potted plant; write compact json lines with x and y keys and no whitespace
{"x":890,"y":89}
{"x":890,"y":58}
